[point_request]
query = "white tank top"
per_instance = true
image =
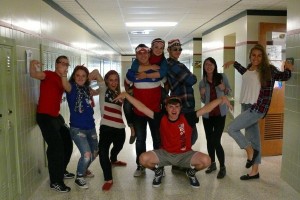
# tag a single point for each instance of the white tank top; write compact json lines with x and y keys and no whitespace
{"x":250,"y":87}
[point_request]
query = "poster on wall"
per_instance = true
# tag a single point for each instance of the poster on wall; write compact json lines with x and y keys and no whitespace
{"x":274,"y":52}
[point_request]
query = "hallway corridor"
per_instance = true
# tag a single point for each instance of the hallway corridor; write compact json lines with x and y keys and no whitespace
{"x":175,"y":185}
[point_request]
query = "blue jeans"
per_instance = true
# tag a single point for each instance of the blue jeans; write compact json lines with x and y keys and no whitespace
{"x":247,"y":120}
{"x":140,"y":125}
{"x":87,"y":143}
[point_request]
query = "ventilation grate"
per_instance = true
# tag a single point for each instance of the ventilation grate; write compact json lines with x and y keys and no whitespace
{"x":273,"y":127}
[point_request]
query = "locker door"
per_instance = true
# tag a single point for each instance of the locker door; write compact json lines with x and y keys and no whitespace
{"x":4,"y":193}
{"x":8,"y":155}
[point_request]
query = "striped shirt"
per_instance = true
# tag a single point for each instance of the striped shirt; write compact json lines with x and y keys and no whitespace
{"x":111,"y":112}
{"x":265,"y":94}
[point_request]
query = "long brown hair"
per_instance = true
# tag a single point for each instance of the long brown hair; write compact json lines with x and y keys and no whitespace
{"x":264,"y":69}
{"x":83,"y":68}
{"x":108,"y":74}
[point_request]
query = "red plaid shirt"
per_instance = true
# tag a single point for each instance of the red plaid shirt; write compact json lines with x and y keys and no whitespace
{"x":265,"y":94}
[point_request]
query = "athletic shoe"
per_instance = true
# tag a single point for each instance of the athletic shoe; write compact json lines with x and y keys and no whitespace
{"x":191,"y":174}
{"x":159,"y":172}
{"x":81,"y":183}
{"x":60,"y":187}
{"x":139,"y":171}
{"x":68,"y":175}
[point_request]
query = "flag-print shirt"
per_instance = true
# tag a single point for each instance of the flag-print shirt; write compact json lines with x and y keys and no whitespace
{"x":265,"y":94}
{"x":111,"y":112}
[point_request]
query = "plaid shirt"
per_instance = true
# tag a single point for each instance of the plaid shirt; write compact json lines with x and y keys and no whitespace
{"x":265,"y":94}
{"x":181,"y":82}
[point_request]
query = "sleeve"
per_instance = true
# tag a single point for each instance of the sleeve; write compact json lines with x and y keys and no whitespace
{"x":130,"y":76}
{"x":226,"y":83}
{"x":181,"y":75}
{"x":135,"y":65}
{"x":239,"y":67}
{"x":279,"y":75}
{"x":163,"y":68}
{"x":191,"y":118}
{"x":202,"y":85}
{"x":102,"y":90}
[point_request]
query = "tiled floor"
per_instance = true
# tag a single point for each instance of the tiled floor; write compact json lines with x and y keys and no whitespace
{"x":175,"y":185}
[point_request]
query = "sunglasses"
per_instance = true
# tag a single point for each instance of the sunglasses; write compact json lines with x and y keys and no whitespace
{"x":176,"y":49}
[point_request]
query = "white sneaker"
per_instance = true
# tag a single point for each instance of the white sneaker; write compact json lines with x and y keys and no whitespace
{"x":139,"y":171}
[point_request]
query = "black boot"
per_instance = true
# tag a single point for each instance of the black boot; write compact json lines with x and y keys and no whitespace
{"x":222,"y":172}
{"x":211,"y":168}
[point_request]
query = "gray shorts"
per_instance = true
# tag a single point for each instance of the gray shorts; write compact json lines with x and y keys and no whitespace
{"x":180,"y":160}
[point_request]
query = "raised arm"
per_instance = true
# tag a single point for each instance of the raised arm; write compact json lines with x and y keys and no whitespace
{"x":136,"y":103}
{"x":35,"y":70}
{"x":228,"y":63}
{"x":95,"y":76}
{"x":211,"y":105}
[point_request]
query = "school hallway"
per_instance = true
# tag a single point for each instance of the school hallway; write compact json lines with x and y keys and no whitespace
{"x":175,"y":185}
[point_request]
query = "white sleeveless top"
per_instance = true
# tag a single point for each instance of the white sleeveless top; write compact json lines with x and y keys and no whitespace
{"x":250,"y":87}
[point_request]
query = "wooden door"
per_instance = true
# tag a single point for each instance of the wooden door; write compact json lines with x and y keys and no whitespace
{"x":271,"y":127}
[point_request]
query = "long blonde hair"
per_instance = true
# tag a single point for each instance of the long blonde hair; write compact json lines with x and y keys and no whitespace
{"x":264,"y":69}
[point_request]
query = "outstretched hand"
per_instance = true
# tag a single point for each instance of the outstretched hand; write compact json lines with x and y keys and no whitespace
{"x":120,"y":97}
{"x":227,"y":64}
{"x":288,"y":65}
{"x":226,"y":102}
{"x":95,"y":75}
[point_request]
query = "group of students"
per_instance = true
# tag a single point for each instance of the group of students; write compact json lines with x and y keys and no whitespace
{"x":159,"y":92}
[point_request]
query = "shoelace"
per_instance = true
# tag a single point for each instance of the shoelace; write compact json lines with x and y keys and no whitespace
{"x":193,"y":179}
{"x":156,"y":178}
{"x":81,"y":181}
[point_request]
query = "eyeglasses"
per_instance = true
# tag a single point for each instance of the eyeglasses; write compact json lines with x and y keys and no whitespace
{"x":63,"y":63}
{"x":176,"y":49}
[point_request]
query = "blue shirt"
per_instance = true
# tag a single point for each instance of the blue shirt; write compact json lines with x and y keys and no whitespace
{"x":84,"y":119}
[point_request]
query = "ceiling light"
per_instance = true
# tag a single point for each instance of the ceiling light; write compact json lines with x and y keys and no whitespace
{"x":144,"y":32}
{"x":150,"y":24}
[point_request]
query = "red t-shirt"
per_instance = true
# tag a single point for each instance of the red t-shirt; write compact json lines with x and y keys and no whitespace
{"x":51,"y":91}
{"x":176,"y":135}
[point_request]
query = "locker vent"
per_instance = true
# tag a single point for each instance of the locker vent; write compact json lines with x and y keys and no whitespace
{"x":274,"y":126}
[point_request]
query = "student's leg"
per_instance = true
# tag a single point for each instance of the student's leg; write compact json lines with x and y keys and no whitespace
{"x":140,"y":125}
{"x":80,"y":139}
{"x":154,"y":133}
{"x":129,"y":115}
{"x":105,"y":141}
{"x":50,"y":127}
{"x":118,"y":142}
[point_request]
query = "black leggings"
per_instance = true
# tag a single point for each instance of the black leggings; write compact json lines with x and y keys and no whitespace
{"x":214,"y":127}
{"x":109,"y":135}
